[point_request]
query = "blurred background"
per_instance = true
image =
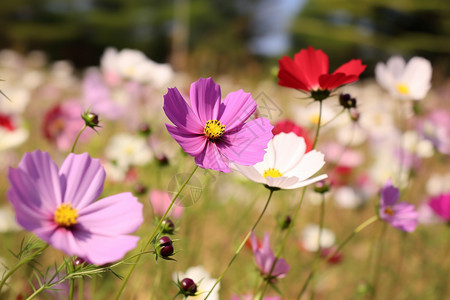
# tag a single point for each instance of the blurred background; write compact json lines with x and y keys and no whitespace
{"x":246,"y":37}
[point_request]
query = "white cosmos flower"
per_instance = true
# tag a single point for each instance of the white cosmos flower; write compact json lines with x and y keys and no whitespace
{"x":406,"y":81}
{"x":128,"y":150}
{"x":310,"y":238}
{"x":285,"y":164}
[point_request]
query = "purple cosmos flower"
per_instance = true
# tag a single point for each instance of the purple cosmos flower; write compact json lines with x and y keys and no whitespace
{"x":400,"y":215}
{"x":59,"y":207}
{"x":264,"y":258}
{"x":215,"y":131}
{"x":441,"y":206}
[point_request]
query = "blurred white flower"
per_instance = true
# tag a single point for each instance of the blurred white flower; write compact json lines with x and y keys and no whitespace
{"x":414,"y":144}
{"x":285,"y":164}
{"x":310,"y":238}
{"x":202,"y":279}
{"x":8,"y":221}
{"x":347,"y":197}
{"x":407,"y":81}
{"x":128,"y":150}
{"x":438,"y":184}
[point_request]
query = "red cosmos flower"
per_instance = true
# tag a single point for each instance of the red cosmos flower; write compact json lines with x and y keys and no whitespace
{"x":308,"y":71}
{"x":289,"y":126}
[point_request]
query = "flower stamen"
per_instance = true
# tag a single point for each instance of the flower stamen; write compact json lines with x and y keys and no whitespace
{"x":272,"y":172}
{"x":402,"y":88}
{"x":214,"y":129}
{"x":388,"y":210}
{"x":65,"y":215}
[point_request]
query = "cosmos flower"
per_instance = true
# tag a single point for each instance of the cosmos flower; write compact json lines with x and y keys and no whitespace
{"x":287,"y":126}
{"x":62,"y":123}
{"x":160,"y":201}
{"x":308,"y":71}
{"x":265,"y":258}
{"x":60,"y":207}
{"x":400,"y":215}
{"x":213,"y":131}
{"x":441,"y":206}
{"x":436,"y":128}
{"x":310,"y":238}
{"x":406,"y":81}
{"x":127,"y":150}
{"x":285,"y":165}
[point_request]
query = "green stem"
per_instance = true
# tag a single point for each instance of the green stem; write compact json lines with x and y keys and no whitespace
{"x":318,"y":125}
{"x":21,"y":263}
{"x":283,"y":243}
{"x":317,"y":256}
{"x":334,"y":118}
{"x":81,"y":288}
{"x":78,"y":136}
{"x":376,"y":274}
{"x":339,"y":248}
{"x":71,"y":288}
{"x":154,"y":233}
{"x":241,"y":245}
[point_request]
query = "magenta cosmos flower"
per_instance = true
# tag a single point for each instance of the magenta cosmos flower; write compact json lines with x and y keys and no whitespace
{"x":265,"y":258}
{"x":59,"y":207}
{"x":308,"y":71}
{"x":441,"y":206}
{"x":400,"y":215}
{"x":215,"y":132}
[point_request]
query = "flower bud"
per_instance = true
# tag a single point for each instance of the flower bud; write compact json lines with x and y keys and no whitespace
{"x":168,"y":227}
{"x":140,"y":189}
{"x":322,"y":187}
{"x":346,"y":101}
{"x":90,"y":119}
{"x":144,"y":129}
{"x":162,"y":160}
{"x":354,"y":114}
{"x":165,"y":248}
{"x":284,"y":222}
{"x":77,"y":262}
{"x":188,"y":287}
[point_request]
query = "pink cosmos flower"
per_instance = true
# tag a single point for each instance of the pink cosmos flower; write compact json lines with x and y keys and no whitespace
{"x":436,"y":128}
{"x":160,"y":201}
{"x":215,"y":131}
{"x":400,"y":215}
{"x":264,"y":258}
{"x":62,"y":123}
{"x":60,"y":207}
{"x":441,"y":206}
{"x":308,"y":71}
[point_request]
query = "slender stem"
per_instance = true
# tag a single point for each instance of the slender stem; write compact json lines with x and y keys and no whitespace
{"x":71,"y":288}
{"x":78,"y":136}
{"x":334,"y":118}
{"x":283,"y":243}
{"x":317,"y":256}
{"x":341,"y":245}
{"x":138,"y":257}
{"x":21,"y":263}
{"x":376,"y":274}
{"x":81,"y":288}
{"x":241,"y":245}
{"x":318,"y":125}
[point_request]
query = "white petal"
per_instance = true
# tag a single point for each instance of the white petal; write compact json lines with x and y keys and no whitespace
{"x":307,"y":182}
{"x":250,"y":172}
{"x":289,"y":150}
{"x":312,"y":162}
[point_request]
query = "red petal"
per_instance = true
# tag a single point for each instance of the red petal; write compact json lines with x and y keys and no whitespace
{"x":353,"y":67}
{"x":312,"y":64}
{"x":288,"y":74}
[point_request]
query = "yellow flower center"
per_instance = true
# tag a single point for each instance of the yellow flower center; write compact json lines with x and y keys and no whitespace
{"x":388,"y":210}
{"x":402,"y":88}
{"x":214,"y":129}
{"x":65,"y":215}
{"x":271,"y":172}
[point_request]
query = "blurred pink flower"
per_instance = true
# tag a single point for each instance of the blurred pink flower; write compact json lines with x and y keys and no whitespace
{"x":400,"y":215}
{"x":213,"y":131}
{"x":441,"y":206}
{"x":436,"y":128}
{"x":62,"y":123}
{"x":160,"y":201}
{"x":60,"y":207}
{"x":265,"y":258}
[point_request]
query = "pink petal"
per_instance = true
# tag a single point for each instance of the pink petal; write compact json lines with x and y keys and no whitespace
{"x":179,"y":112}
{"x":43,"y":182}
{"x":192,"y":143}
{"x":112,"y":216}
{"x":205,"y":99}
{"x":237,"y":107}
{"x":83,"y":177}
{"x":212,"y":159}
{"x":248,"y":145}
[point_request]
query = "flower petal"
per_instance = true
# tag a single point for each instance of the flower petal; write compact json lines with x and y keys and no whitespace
{"x":308,"y":166}
{"x":179,"y":112}
{"x":237,"y":107}
{"x":306,"y":182}
{"x":250,"y":172}
{"x":192,"y":143}
{"x":312,"y":64}
{"x":353,"y":67}
{"x":290,"y":75}
{"x":83,"y":178}
{"x":247,"y":145}
{"x":205,"y":99}
{"x":289,"y":150}
{"x":211,"y":158}
{"x":114,"y":215}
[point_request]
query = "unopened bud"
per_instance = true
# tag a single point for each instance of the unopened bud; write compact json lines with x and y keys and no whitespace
{"x":346,"y":101}
{"x":90,"y":119}
{"x":285,"y":222}
{"x":144,"y":129}
{"x":168,"y":227}
{"x":188,"y":287}
{"x":322,"y":187}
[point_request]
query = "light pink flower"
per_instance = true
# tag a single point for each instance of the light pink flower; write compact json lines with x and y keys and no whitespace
{"x":60,"y":207}
{"x":160,"y":201}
